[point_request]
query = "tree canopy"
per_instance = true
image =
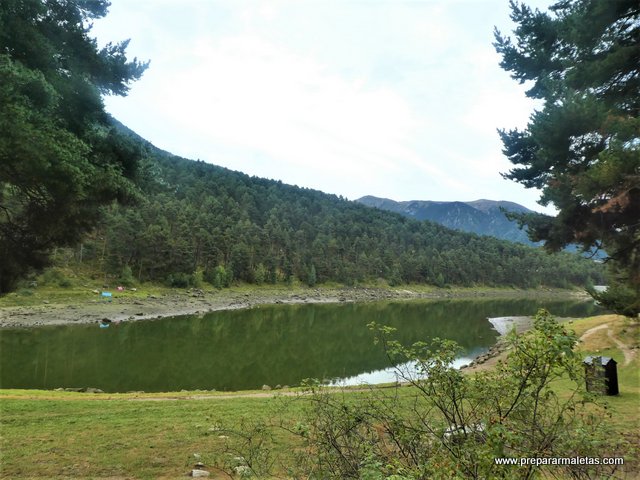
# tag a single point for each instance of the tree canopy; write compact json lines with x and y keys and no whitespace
{"x":59,"y":157}
{"x":199,"y":221}
{"x":63,"y":162}
{"x":582,"y":148}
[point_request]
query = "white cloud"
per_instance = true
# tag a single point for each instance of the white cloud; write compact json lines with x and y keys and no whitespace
{"x":246,"y":92}
{"x":399,"y":99}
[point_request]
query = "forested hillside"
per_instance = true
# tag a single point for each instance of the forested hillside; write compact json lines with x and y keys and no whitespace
{"x":70,"y":177}
{"x":198,"y":221}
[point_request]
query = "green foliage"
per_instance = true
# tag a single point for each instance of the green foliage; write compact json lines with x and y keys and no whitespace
{"x":619,"y":298}
{"x":312,"y":277}
{"x":583,"y":147}
{"x":59,"y":158}
{"x":179,"y":280}
{"x":395,"y":278}
{"x":55,"y":276}
{"x":225,"y":277}
{"x":209,"y":277}
{"x":196,"y":215}
{"x":197,"y":278}
{"x":509,"y":411}
{"x":241,"y":262}
{"x":259,"y":274}
{"x":249,"y":457}
{"x":218,"y":277}
{"x":454,"y":425}
{"x":126,"y":277}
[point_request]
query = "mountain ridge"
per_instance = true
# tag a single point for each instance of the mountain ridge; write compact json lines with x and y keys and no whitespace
{"x":482,"y":217}
{"x":197,"y":221}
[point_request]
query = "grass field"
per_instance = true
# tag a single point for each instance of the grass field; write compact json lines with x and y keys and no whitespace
{"x":49,"y":434}
{"x":65,"y":286}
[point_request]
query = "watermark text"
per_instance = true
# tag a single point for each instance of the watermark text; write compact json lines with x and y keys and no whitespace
{"x":539,"y":461}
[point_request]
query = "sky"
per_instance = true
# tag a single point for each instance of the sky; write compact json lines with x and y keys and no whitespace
{"x":391,"y":98}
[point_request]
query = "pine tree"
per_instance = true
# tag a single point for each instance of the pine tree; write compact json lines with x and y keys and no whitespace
{"x":59,"y":158}
{"x":582,"y":148}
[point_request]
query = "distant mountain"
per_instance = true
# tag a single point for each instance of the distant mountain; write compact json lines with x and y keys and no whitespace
{"x":483,"y":217}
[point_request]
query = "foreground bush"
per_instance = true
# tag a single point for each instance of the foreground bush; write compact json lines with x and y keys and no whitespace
{"x":451,"y":425}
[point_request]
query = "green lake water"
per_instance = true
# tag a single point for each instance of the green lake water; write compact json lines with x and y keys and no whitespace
{"x":245,"y":349}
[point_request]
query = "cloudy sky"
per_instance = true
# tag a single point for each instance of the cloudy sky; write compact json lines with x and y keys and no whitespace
{"x":398,"y":99}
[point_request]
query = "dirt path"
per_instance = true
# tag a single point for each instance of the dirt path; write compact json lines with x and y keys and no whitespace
{"x":162,"y":398}
{"x":593,"y":330}
{"x":108,"y":397}
{"x":629,"y":353}
{"x":219,"y":397}
{"x":268,"y":394}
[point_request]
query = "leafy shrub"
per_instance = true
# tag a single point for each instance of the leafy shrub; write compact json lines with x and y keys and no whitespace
{"x":179,"y":280}
{"x":259,"y":274}
{"x":197,"y":278}
{"x":55,"y":276}
{"x":219,"y":277}
{"x":126,"y":277}
{"x":453,"y":425}
{"x":312,"y":276}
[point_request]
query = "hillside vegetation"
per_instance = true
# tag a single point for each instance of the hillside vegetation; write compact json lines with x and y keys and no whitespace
{"x":72,"y":178}
{"x":194,"y":221}
{"x":483,"y":217}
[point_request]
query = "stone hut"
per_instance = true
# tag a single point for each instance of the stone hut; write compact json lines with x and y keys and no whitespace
{"x":601,"y":375}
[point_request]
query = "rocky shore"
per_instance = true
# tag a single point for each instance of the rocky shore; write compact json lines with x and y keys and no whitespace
{"x":488,"y":358}
{"x":127,"y":307}
{"x":502,"y":325}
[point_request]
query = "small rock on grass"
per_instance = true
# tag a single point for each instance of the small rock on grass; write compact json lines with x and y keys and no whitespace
{"x":197,"y":473}
{"x":242,"y":470}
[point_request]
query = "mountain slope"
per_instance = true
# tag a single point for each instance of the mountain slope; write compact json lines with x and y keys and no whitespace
{"x":199,"y":221}
{"x":483,"y":217}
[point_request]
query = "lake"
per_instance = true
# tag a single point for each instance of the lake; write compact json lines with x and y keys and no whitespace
{"x":246,"y":349}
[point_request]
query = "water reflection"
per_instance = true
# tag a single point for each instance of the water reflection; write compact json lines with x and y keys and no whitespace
{"x":245,"y":349}
{"x":395,"y":374}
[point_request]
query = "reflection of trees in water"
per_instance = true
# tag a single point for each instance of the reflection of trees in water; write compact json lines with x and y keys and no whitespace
{"x":244,"y":349}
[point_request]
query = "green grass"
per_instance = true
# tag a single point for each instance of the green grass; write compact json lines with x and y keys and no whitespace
{"x":622,"y":414}
{"x":49,"y":434}
{"x":625,"y":407}
{"x":142,"y":439}
{"x":67,"y":284}
{"x":83,"y":291}
{"x":53,"y":294}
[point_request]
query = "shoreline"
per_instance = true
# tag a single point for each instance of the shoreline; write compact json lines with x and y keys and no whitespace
{"x":124,"y":306}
